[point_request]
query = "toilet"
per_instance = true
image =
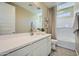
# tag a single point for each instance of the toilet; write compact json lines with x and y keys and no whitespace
{"x":53,"y":44}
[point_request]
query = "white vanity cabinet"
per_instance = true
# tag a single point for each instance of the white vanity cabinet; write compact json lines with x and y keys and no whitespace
{"x":41,"y":47}
{"x":48,"y":45}
{"x":37,"y":45}
{"x":25,"y":51}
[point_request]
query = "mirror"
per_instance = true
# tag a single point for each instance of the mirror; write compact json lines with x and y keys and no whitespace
{"x":16,"y":17}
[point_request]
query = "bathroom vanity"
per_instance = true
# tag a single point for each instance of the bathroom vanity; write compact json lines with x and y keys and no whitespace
{"x":25,"y":45}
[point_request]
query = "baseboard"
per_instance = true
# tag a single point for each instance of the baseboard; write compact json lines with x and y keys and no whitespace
{"x":76,"y":52}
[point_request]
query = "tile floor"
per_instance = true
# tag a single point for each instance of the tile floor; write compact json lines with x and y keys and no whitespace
{"x":62,"y":52}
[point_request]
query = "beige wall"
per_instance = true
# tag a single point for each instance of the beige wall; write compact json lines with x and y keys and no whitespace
{"x":20,"y":10}
{"x":23,"y":19}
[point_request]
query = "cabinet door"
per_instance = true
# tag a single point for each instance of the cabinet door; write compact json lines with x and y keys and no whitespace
{"x":21,"y":52}
{"x":40,"y":48}
{"x":49,"y":45}
{"x":46,"y":46}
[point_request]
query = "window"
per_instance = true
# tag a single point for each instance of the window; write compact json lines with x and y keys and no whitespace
{"x":65,"y":13}
{"x":64,"y":5}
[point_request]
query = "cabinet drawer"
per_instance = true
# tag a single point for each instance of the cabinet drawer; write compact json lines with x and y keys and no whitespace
{"x":39,"y":43}
{"x":21,"y":52}
{"x":40,"y":47}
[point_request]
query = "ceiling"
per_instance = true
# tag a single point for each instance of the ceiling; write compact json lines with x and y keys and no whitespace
{"x":32,"y":7}
{"x":50,"y":4}
{"x":29,"y":6}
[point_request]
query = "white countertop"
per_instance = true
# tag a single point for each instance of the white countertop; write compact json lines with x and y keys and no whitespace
{"x":15,"y":41}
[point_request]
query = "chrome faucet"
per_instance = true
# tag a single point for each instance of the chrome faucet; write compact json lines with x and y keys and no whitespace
{"x":32,"y":28}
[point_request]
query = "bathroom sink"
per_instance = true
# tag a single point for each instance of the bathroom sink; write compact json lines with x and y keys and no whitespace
{"x":39,"y":33}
